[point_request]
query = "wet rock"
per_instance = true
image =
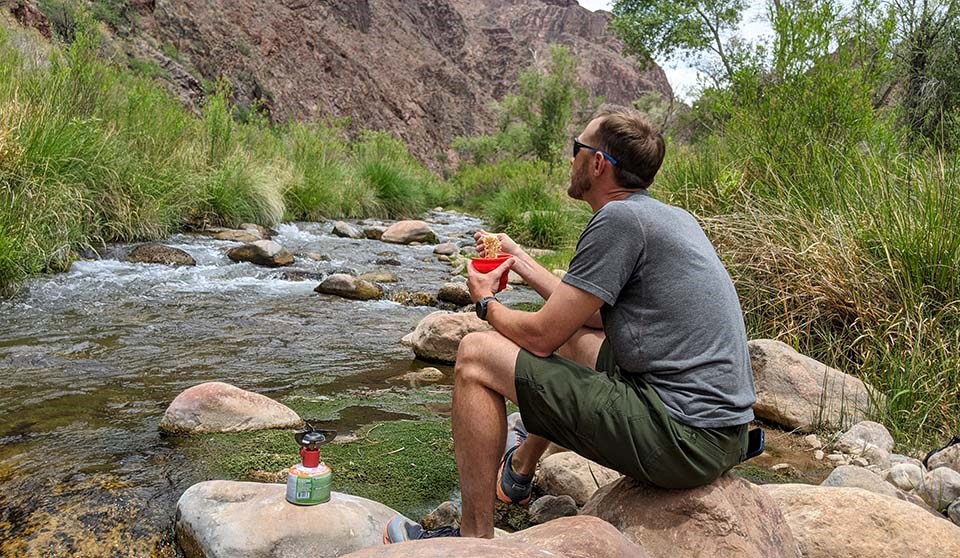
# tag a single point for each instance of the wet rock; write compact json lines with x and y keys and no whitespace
{"x":863,"y":435}
{"x":159,"y":254}
{"x":315,"y":256}
{"x":437,"y":336}
{"x":238,"y":235}
{"x":262,"y":252}
{"x":905,"y":476}
{"x":729,"y":517}
{"x":940,"y":487}
{"x":852,"y":476}
{"x":446,"y":249}
{"x":265,"y":233}
{"x":832,"y":522}
{"x":348,"y":286}
{"x":567,"y":537}
{"x":380,"y":277}
{"x":221,"y":407}
{"x":446,"y":514}
{"x":374,"y":232}
{"x":387,"y":261}
{"x":406,"y":232}
{"x":949,"y":457}
{"x":254,"y":520}
{"x":455,"y":293}
{"x":422,"y":376}
{"x":346,"y":230}
{"x":413,"y":298}
{"x":300,"y":275}
{"x":796,"y":391}
{"x":572,"y":475}
{"x":547,"y":508}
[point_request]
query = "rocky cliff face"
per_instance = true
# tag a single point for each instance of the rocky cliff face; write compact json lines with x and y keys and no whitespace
{"x":427,"y":70}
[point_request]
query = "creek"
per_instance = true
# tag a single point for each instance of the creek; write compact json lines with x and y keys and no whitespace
{"x":90,"y":359}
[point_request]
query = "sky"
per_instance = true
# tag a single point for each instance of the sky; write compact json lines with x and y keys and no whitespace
{"x":682,"y":77}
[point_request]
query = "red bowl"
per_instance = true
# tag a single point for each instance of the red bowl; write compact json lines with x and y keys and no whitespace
{"x":486,"y":265}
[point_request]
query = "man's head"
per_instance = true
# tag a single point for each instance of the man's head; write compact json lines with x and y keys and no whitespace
{"x":622,"y":135}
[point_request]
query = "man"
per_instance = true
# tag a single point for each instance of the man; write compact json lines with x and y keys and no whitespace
{"x":638,"y":359}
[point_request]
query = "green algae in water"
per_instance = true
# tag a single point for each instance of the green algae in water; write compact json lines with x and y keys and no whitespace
{"x":397,"y":400}
{"x":407,"y":465}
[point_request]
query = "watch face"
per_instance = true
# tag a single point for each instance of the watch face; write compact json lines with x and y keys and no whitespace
{"x":481,"y":308}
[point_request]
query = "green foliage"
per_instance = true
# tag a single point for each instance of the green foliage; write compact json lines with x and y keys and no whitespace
{"x":118,"y":14}
{"x":62,"y":17}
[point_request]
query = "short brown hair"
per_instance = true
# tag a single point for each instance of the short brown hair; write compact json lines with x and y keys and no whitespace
{"x":634,"y":142}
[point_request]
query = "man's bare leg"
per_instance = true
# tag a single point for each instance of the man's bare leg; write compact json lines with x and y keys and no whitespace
{"x":484,"y":376}
{"x":583,"y":347}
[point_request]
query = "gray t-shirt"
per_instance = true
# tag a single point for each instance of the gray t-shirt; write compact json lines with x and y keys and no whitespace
{"x":670,"y":311}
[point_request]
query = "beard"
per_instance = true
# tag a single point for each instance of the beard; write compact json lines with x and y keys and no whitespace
{"x":579,"y":182}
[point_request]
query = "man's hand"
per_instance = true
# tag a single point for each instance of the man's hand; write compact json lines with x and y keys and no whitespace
{"x":486,"y":284}
{"x":507,"y":245}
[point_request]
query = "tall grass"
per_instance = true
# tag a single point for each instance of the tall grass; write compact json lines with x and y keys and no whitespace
{"x":92,"y":153}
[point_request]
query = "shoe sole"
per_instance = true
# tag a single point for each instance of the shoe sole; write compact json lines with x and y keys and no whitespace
{"x":501,"y":495}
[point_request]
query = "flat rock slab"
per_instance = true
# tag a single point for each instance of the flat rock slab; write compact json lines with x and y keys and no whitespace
{"x":155,"y":253}
{"x":798,"y":392}
{"x":834,"y":522}
{"x":567,"y":537}
{"x":253,"y":520}
{"x":729,"y":517}
{"x":221,"y":407}
{"x":437,"y":337}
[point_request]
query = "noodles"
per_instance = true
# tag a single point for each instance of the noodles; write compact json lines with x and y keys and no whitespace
{"x":491,"y":245}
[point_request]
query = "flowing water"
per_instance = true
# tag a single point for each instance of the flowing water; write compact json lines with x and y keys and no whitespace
{"x":89,"y":360}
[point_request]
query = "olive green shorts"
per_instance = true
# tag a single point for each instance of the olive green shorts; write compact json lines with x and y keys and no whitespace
{"x":619,"y":421}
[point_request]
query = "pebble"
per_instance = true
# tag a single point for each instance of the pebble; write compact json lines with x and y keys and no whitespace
{"x":780,"y":467}
{"x":813,"y":441}
{"x":818,"y":455}
{"x":859,"y":462}
{"x":836,"y":457}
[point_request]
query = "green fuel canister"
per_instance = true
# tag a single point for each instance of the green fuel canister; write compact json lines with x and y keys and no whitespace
{"x":309,"y":482}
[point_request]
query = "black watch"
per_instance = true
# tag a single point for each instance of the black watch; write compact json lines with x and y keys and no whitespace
{"x":482,"y":306}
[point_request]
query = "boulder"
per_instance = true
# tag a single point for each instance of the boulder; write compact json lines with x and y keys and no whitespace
{"x":940,"y":487}
{"x":857,"y":477}
{"x":380,"y":276}
{"x":729,"y":517}
{"x":254,"y":520}
{"x":572,"y":475}
{"x":455,"y":293}
{"x":863,"y":435}
{"x":238,"y":235}
{"x":262,"y":252}
{"x":446,"y":514}
{"x":446,"y":249}
{"x":265,"y":233}
{"x":547,"y":508}
{"x":346,"y":230}
{"x":374,"y":232}
{"x":832,"y":522}
{"x":220,"y":407}
{"x":948,"y":457}
{"x":568,"y":537}
{"x":896,"y":458}
{"x":905,"y":476}
{"x":437,"y":336}
{"x":798,"y":392}
{"x":348,"y":286}
{"x":154,"y":253}
{"x":299,"y":275}
{"x":405,"y":232}
{"x":953,"y":512}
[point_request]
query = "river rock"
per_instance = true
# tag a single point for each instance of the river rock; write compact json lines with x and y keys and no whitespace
{"x":422,"y":376}
{"x":253,"y":520}
{"x":840,"y":522}
{"x":405,"y":232}
{"x":437,"y":336}
{"x":852,"y":476}
{"x":374,"y":232}
{"x":948,"y":457}
{"x":863,"y":435}
{"x":348,"y":286}
{"x":896,"y":459}
{"x":729,"y":517}
{"x":567,"y":537}
{"x":262,"y":252}
{"x":346,"y":230}
{"x":380,"y":277}
{"x":547,"y":508}
{"x":154,"y":253}
{"x":265,"y":233}
{"x":513,"y":278}
{"x":455,"y":293}
{"x":299,"y":275}
{"x":953,"y":512}
{"x":940,"y":487}
{"x":446,"y":514}
{"x":238,"y":235}
{"x":570,"y":474}
{"x":905,"y":476}
{"x":221,"y":407}
{"x":446,"y":249}
{"x":798,"y":392}
{"x":414,"y":298}
{"x":387,"y":261}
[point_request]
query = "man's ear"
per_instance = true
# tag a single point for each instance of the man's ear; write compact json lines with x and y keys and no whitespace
{"x":597,"y":163}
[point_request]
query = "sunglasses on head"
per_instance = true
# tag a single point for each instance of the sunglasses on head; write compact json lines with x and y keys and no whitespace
{"x":577,"y":146}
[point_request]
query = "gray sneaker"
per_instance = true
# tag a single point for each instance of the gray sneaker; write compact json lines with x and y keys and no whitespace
{"x":512,"y":487}
{"x":400,"y":529}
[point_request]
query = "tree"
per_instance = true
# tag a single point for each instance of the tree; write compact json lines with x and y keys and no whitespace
{"x":665,"y":29}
